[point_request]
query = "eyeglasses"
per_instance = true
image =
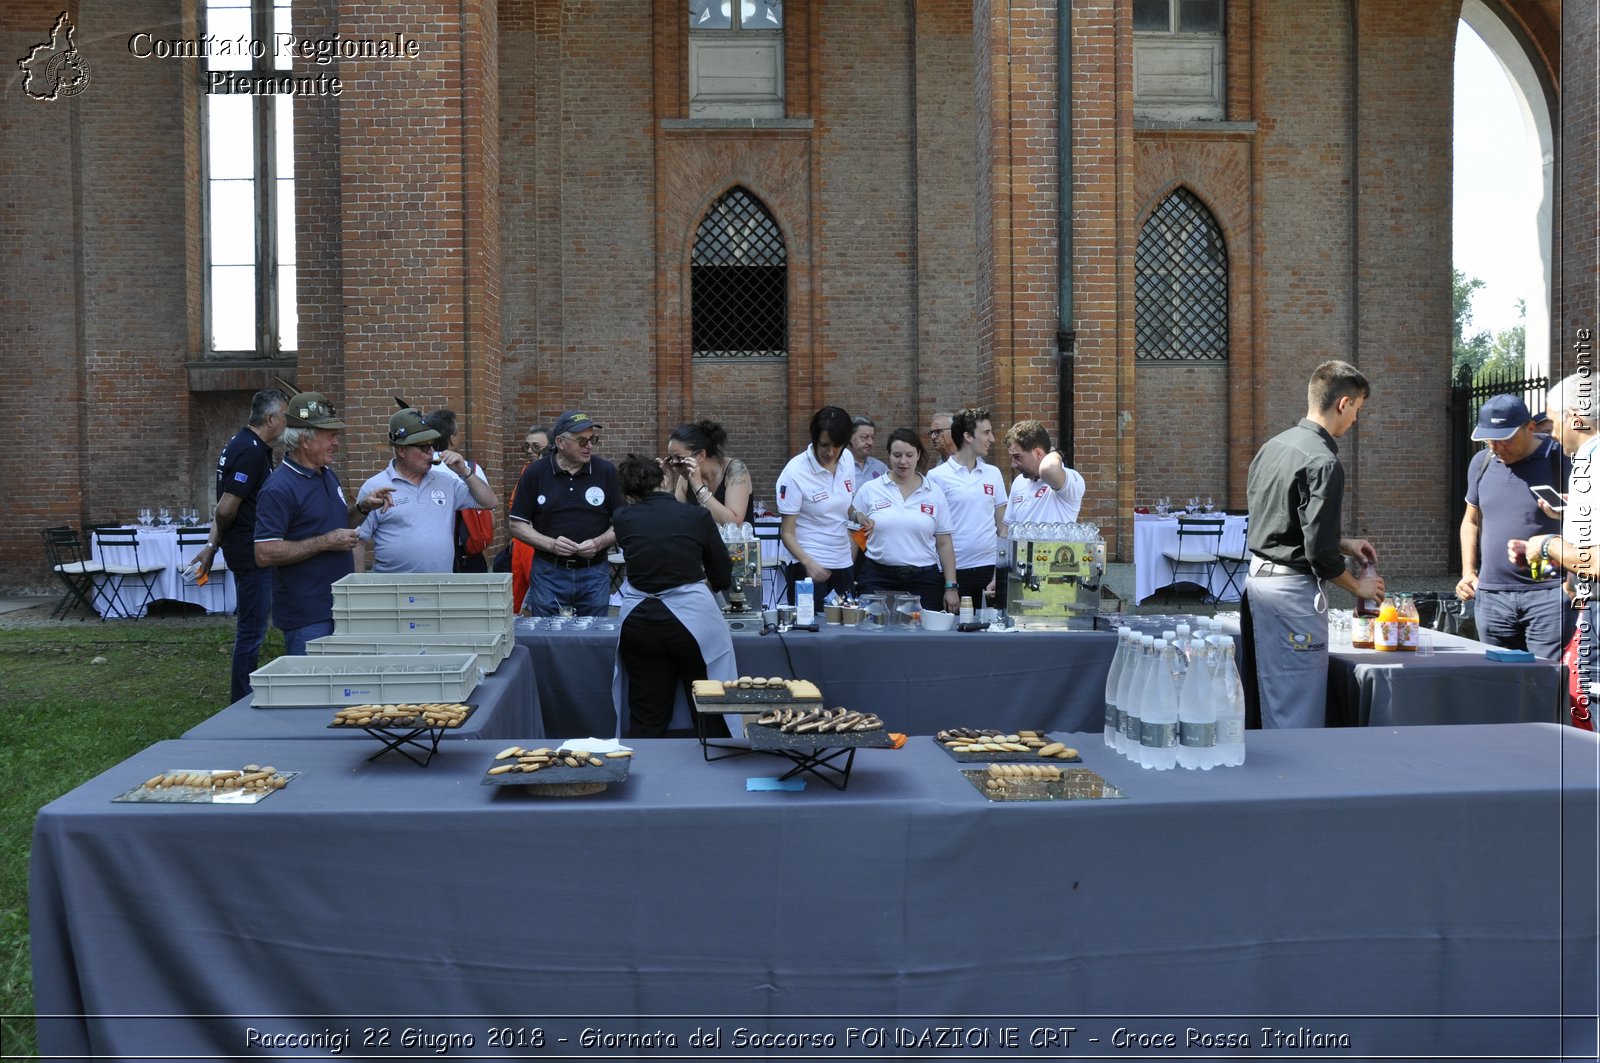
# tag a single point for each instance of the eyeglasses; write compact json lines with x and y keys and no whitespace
{"x":533,"y":448}
{"x":586,"y":442}
{"x":423,"y":446}
{"x":937,"y":431}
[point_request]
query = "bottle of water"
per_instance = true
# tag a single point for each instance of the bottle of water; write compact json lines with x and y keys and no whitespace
{"x":1158,"y":726}
{"x":1130,"y":699}
{"x":1197,"y":712}
{"x":1119,"y":662}
{"x":1229,"y":698}
{"x":1183,"y":641}
{"x":805,"y":602}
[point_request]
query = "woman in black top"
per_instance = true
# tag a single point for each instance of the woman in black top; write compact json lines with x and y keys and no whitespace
{"x":699,"y":472}
{"x":672,"y":629}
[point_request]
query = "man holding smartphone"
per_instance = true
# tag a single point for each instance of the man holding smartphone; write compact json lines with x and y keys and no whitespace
{"x":1517,"y":607}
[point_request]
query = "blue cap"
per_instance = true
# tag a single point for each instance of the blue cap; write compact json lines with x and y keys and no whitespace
{"x":1500,"y":418}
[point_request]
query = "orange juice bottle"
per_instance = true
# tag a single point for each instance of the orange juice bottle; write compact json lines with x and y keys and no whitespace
{"x":1386,"y":629}
{"x":1410,"y":622}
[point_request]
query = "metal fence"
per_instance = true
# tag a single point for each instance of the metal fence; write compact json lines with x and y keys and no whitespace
{"x":1466,"y":397}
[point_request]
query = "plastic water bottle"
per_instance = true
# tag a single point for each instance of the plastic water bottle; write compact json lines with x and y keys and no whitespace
{"x":805,"y":602}
{"x":1183,"y":641}
{"x":1229,"y":697}
{"x":1119,"y":661}
{"x":1197,"y":712}
{"x":1130,"y":700}
{"x":1158,"y":726}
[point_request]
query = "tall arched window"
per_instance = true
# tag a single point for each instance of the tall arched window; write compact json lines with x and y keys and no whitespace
{"x":1181,"y":284}
{"x":739,"y":281}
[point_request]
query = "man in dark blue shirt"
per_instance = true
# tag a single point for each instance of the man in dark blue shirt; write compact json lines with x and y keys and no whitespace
{"x":1515,"y":609}
{"x":242,"y":469}
{"x":305,"y":529}
{"x":562,"y":509}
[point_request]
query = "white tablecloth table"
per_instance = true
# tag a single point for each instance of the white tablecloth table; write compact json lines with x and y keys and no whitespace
{"x":1152,"y":571}
{"x":159,"y":546}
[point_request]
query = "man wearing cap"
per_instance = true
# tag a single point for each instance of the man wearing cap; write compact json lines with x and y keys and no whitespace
{"x":562,"y":508}
{"x":416,"y":530}
{"x":1517,"y":608}
{"x":242,"y":470}
{"x":305,"y":529}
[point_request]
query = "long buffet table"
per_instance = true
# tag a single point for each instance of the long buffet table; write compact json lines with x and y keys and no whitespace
{"x":917,"y":681}
{"x":507,"y":706}
{"x":1433,"y":874}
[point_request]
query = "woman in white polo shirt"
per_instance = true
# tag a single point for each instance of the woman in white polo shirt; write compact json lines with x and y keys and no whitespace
{"x":814,"y":492}
{"x":908,"y":529}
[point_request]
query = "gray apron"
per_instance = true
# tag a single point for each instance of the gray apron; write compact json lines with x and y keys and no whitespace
{"x":693,"y":607}
{"x":1290,"y":616}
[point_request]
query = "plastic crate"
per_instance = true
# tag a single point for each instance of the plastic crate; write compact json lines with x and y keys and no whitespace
{"x":492,"y":647}
{"x":357,"y":680}
{"x":489,"y":592}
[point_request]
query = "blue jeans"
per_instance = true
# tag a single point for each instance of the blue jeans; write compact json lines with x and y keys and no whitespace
{"x":587,"y":590}
{"x":1534,"y":619}
{"x":254,"y":586}
{"x":295,"y":639}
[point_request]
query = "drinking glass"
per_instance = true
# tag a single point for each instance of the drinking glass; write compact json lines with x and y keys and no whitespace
{"x":1211,"y":507}
{"x":163,"y":517}
{"x":191,"y":516}
{"x":145,"y":516}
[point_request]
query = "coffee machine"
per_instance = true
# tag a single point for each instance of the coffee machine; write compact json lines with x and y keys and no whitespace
{"x":741,"y":602}
{"x":1055,"y":573}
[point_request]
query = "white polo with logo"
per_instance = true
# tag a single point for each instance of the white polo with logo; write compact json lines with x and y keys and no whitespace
{"x":903,"y":528}
{"x":1033,"y":501}
{"x":974,"y":496}
{"x":417,"y":533}
{"x":819,"y":501}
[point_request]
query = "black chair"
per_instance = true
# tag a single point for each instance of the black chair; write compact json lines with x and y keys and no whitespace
{"x":772,"y":581}
{"x":1235,"y":566}
{"x":119,"y":554}
{"x":72,"y":567}
{"x":190,"y":540}
{"x":1198,"y":538}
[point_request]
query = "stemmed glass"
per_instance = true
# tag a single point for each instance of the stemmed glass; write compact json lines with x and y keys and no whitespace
{"x":190,"y":517}
{"x":164,"y":517}
{"x":1193,"y":505}
{"x":145,"y":516}
{"x":1211,"y":507}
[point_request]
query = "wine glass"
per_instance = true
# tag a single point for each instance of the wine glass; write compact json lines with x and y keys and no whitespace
{"x":164,"y":517}
{"x":145,"y":516}
{"x":191,"y":516}
{"x":1211,"y":507}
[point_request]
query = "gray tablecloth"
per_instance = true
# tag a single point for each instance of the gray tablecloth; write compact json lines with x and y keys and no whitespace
{"x":1445,"y":871}
{"x":919,"y":682}
{"x":507,"y":707}
{"x":1458,"y":684}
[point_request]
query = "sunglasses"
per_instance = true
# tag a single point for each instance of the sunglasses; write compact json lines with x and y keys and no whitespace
{"x":586,"y":442}
{"x":533,"y":448}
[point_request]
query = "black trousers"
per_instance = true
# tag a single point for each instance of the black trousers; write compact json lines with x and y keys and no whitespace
{"x":927,"y":583}
{"x":660,"y":656}
{"x":842,"y":580}
{"x":970,"y":583}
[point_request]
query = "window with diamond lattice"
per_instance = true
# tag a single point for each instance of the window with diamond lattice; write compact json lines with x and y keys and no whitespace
{"x":739,"y":279}
{"x":1181,"y":284}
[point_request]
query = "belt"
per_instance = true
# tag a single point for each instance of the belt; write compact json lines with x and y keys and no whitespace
{"x":909,"y":571}
{"x":574,"y":562}
{"x":1272,"y":568}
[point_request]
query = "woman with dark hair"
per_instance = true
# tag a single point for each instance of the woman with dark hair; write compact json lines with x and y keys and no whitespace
{"x":700,"y":473}
{"x":672,"y":631}
{"x":814,"y":492}
{"x":908,"y":522}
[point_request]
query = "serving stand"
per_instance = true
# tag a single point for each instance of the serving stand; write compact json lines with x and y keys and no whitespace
{"x":398,"y":732}
{"x":816,"y":754}
{"x":739,"y":700}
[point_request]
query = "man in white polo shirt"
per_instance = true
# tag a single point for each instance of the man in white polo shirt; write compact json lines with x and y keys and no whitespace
{"x":977,"y":494}
{"x":1045,"y":490}
{"x":416,"y":531}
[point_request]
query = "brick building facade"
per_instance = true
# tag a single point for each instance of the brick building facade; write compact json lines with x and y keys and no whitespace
{"x":503,"y":225}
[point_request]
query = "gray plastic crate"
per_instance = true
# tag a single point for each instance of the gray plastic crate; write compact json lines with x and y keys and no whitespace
{"x":357,"y":680}
{"x":492,"y":647}
{"x":370,"y":603}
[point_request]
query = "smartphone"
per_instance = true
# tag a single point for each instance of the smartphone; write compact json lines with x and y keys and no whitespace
{"x":1549,"y":496}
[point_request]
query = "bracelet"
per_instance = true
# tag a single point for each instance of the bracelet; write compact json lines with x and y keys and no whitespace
{"x":950,"y":586}
{"x":1544,"y":548}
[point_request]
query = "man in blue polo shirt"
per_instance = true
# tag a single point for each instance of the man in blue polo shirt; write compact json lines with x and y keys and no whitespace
{"x":1516,"y":609}
{"x":563,"y":508}
{"x":416,"y":532}
{"x":304,"y":527}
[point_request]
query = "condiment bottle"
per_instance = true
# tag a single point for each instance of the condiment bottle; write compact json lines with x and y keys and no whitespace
{"x":1366,"y":612}
{"x":1386,"y":628}
{"x":1410,"y":622}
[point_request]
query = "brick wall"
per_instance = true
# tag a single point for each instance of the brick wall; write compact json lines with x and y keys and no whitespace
{"x":1579,"y":291}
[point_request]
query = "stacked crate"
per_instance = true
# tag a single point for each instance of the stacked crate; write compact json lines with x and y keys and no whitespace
{"x":395,"y":613}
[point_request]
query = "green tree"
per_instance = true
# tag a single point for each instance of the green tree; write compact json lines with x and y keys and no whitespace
{"x":1469,"y":352}
{"x":1508,"y":350}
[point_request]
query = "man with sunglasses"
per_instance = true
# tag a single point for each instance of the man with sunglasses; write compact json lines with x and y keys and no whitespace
{"x":305,"y":529}
{"x":562,"y":508}
{"x":416,"y":531}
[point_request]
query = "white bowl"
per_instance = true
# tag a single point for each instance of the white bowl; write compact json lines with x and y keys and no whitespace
{"x":934,"y":620}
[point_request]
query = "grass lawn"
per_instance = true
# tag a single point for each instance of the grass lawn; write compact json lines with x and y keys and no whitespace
{"x":67,"y":720}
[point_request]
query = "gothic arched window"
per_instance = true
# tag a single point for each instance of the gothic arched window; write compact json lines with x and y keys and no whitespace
{"x":739,"y":281}
{"x":1181,"y":284}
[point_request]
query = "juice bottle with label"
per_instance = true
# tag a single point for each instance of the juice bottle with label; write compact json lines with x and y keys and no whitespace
{"x":1366,"y":612}
{"x":1386,"y":628}
{"x":1410,"y":622}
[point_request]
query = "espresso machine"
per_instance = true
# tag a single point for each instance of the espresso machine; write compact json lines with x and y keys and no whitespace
{"x":741,"y":602}
{"x":1055,"y":574}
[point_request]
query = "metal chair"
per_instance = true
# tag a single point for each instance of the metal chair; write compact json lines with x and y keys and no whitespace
{"x":72,"y":567}
{"x":772,"y":581}
{"x":1198,"y":538}
{"x":1235,"y":566}
{"x":123,"y":543}
{"x":190,"y":540}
